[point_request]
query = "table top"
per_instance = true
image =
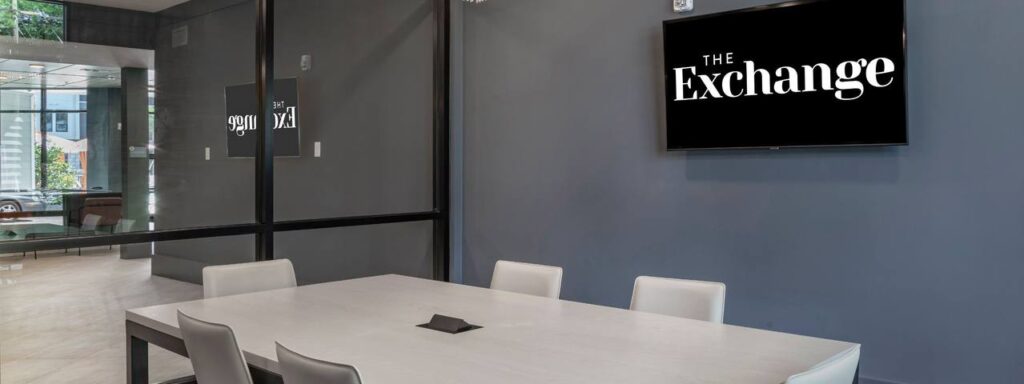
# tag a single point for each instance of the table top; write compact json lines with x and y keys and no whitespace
{"x":371,"y":323}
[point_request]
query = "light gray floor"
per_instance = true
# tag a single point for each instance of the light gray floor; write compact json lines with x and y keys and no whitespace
{"x":62,"y":317}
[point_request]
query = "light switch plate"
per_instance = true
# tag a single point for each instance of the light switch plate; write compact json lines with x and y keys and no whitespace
{"x":316,"y":149}
{"x":207,"y":153}
{"x":680,"y":6}
{"x":306,"y":63}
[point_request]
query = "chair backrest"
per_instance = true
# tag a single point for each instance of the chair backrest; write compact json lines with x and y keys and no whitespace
{"x":531,"y":279}
{"x":698,"y":300}
{"x":124,"y":226}
{"x":837,"y":370}
{"x":214,"y":352}
{"x":299,"y":369}
{"x":234,"y":279}
{"x":91,"y":222}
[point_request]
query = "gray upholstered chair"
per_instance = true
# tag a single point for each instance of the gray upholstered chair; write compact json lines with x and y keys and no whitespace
{"x":691,"y":299}
{"x":837,"y":370}
{"x":299,"y":369}
{"x":530,"y":279}
{"x":214,"y":352}
{"x":234,"y":279}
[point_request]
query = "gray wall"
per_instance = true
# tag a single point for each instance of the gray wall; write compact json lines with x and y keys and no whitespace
{"x":368,"y":101}
{"x":109,"y":26}
{"x":104,"y":106}
{"x":915,"y":252}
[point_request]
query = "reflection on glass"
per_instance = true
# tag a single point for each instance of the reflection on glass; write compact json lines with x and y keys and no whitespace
{"x":61,"y":171}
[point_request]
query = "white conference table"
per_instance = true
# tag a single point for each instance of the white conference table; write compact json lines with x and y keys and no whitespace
{"x":371,"y":323}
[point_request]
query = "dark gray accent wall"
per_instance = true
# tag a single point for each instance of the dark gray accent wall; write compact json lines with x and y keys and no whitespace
{"x":190,"y":81}
{"x":102,"y":119}
{"x":367,"y":99}
{"x":914,"y":252}
{"x":93,"y":24}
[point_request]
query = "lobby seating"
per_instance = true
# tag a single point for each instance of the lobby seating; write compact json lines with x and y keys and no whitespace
{"x":698,"y":300}
{"x":530,"y":279}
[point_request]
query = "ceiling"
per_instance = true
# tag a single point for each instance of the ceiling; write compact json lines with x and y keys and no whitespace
{"x":137,"y":5}
{"x":20,"y":74}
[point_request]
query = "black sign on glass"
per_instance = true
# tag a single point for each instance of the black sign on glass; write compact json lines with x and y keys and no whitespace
{"x":241,"y":119}
{"x":801,"y":73}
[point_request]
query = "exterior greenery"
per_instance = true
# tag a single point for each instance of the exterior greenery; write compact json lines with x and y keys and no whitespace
{"x":58,"y":172}
{"x":32,"y":19}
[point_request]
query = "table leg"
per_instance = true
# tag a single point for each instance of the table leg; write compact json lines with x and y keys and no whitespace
{"x":138,"y":360}
{"x":856,"y":375}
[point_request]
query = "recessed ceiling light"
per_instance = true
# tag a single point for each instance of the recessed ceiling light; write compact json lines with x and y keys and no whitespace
{"x":36,"y":66}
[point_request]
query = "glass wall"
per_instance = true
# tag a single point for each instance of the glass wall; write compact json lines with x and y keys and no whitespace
{"x":161,"y":142}
{"x":365,"y":98}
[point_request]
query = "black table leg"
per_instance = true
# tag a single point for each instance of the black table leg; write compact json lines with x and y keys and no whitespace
{"x":856,"y":375}
{"x":138,"y":360}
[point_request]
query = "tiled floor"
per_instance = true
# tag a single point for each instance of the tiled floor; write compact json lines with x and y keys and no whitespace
{"x":62,"y":317}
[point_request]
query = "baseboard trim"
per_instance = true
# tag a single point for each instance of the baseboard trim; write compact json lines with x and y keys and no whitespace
{"x":867,"y":380}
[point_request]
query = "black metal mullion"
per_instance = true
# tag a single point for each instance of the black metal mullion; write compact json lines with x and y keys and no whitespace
{"x":265,"y":132}
{"x":126,"y":238}
{"x":441,"y":128}
{"x":355,"y":221}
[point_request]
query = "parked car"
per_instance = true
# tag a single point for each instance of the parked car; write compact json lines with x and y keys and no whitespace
{"x":30,"y":201}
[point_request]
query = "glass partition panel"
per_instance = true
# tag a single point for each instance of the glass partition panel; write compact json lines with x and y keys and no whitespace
{"x":343,"y":253}
{"x":360,"y":76}
{"x":98,"y":139}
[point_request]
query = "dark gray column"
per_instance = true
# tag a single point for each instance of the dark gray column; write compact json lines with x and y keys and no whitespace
{"x":104,"y":115}
{"x":135,"y":136}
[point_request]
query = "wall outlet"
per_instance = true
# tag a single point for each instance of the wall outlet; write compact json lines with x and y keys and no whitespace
{"x":680,"y":6}
{"x":207,"y":153}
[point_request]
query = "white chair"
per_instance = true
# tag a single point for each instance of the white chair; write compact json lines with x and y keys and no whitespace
{"x":530,"y":279}
{"x":698,"y":300}
{"x":123,"y":226}
{"x":299,"y":369}
{"x":234,"y":279}
{"x":837,"y":370}
{"x":90,"y":224}
{"x":214,"y":352}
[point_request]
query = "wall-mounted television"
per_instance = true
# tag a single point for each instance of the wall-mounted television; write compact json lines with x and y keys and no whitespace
{"x":807,"y":73}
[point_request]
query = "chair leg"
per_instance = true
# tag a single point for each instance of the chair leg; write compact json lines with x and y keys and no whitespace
{"x":79,"y":251}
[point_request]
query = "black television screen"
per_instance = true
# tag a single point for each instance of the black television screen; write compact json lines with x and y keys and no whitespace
{"x":796,"y":74}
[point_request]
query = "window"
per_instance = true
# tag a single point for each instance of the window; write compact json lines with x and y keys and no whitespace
{"x":32,"y":19}
{"x":57,"y":122}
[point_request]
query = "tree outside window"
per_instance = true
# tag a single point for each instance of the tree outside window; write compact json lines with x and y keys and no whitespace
{"x":32,"y":19}
{"x":59,"y":174}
